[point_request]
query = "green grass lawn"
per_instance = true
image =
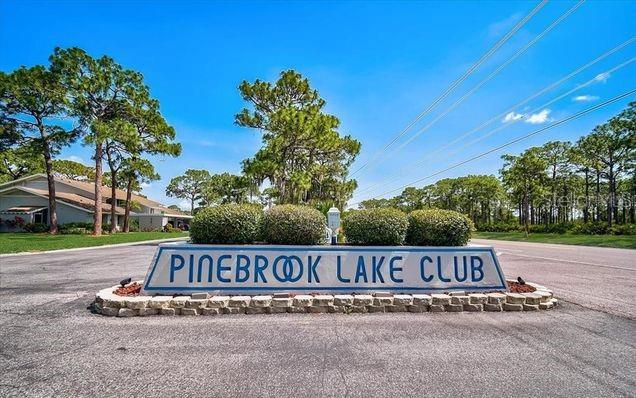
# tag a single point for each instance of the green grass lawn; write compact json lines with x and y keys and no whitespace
{"x":620,"y":241}
{"x":25,"y":242}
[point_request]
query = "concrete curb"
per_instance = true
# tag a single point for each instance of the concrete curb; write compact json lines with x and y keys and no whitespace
{"x":77,"y":249}
{"x":109,"y":304}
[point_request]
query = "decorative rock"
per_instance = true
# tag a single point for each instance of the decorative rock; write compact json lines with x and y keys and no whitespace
{"x":554,"y":302}
{"x":396,"y":308}
{"x":297,"y":310}
{"x":478,"y":298}
{"x":179,"y":301}
{"x":148,"y":311}
{"x":515,"y":298}
{"x":402,"y":299}
{"x":460,"y":300}
{"x":422,"y":300}
{"x":126,"y":312}
{"x":261,"y":301}
{"x":532,"y":298}
{"x":200,"y":296}
{"x":512,"y":307}
{"x":493,"y":307}
{"x":362,"y":299}
{"x":114,"y":301}
{"x":546,"y":306}
{"x":232,"y":310}
{"x":454,"y":307}
{"x":441,"y":299}
{"x":436,"y":308}
{"x":303,"y":300}
{"x":496,"y":298}
{"x":321,"y":309}
{"x":531,"y":307}
{"x":343,"y":299}
{"x":282,"y":302}
{"x":337,"y":309}
{"x":112,"y":311}
{"x":382,"y":301}
{"x":281,"y":295}
{"x":189,"y":311}
{"x":219,"y":301}
{"x":359,"y":309}
{"x":239,"y":301}
{"x":417,"y":308}
{"x":168,"y":311}
{"x":323,"y":300}
{"x":473,"y":307}
{"x":375,"y":308}
{"x":198,"y":303}
{"x":209,"y":311}
{"x":382,"y":294}
{"x":276,"y":310}
{"x":160,"y":302}
{"x":545,"y":295}
{"x":136,"y":303}
{"x":255,"y":310}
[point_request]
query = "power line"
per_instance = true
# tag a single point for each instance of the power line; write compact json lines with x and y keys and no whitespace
{"x":526,"y":136}
{"x":520,"y":52}
{"x":457,"y":82}
{"x":513,"y":107}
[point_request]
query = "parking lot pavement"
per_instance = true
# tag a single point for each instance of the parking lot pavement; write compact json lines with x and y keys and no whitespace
{"x":50,"y":345}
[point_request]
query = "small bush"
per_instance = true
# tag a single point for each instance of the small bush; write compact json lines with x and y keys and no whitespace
{"x":591,"y":228}
{"x":37,"y":227}
{"x":500,"y":227}
{"x":624,"y":229}
{"x":438,"y":228}
{"x":294,"y":225}
{"x":375,"y":227}
{"x":230,"y":223}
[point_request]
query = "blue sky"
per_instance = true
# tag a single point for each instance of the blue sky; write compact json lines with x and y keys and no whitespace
{"x":377,"y":64}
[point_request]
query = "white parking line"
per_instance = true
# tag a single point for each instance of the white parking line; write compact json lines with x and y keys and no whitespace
{"x":571,"y":261}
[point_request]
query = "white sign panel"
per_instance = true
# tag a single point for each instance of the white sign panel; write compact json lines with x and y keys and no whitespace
{"x":187,"y":268}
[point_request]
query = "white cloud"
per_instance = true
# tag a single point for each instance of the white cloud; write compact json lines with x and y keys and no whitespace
{"x":512,"y":116}
{"x":602,"y":77}
{"x":585,"y":98}
{"x":145,"y":185}
{"x":538,"y":118}
{"x":74,"y":158}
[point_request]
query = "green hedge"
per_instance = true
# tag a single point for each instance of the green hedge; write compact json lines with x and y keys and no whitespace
{"x":293,"y":225}
{"x":438,"y":228}
{"x":230,"y":223}
{"x":375,"y":227}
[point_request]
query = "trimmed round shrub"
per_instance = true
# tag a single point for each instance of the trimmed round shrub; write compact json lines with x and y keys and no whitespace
{"x":436,"y":227}
{"x":294,"y":225}
{"x":375,"y":227}
{"x":230,"y":223}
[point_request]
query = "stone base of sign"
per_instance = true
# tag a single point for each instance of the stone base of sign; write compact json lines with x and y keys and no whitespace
{"x":200,"y":304}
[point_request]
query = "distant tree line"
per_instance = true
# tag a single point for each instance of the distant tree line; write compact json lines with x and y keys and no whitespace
{"x":77,"y":97}
{"x":592,"y":180}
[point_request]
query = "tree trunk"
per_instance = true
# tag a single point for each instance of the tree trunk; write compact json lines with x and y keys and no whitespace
{"x":192,"y":206}
{"x":128,"y":205}
{"x":586,"y":208}
{"x":48,"y":164}
{"x":97,"y":214}
{"x":113,"y":201}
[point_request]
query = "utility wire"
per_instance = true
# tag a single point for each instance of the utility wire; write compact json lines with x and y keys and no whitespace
{"x":457,"y":82}
{"x":512,"y":108}
{"x":520,"y":52}
{"x":526,"y":136}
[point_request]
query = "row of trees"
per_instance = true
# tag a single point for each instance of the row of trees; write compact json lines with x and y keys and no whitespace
{"x":593,"y":179}
{"x":303,"y":159}
{"x":45,"y":108}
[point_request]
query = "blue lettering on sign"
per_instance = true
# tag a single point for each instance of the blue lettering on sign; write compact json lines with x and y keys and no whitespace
{"x":242,"y":265}
{"x":174,"y":267}
{"x":393,"y":269}
{"x":312,"y":267}
{"x":476,"y":264}
{"x":287,"y":268}
{"x":210,"y":263}
{"x":258,"y":269}
{"x":465,"y":264}
{"x":439,"y":270}
{"x":361,"y":271}
{"x":339,"y":271}
{"x":423,"y":260}
{"x":377,"y":275}
{"x":220,"y":268}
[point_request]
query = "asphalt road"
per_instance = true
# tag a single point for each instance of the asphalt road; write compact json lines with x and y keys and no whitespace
{"x":50,"y":345}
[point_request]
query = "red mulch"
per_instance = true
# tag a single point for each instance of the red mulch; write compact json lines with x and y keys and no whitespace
{"x":132,"y":289}
{"x":516,"y":287}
